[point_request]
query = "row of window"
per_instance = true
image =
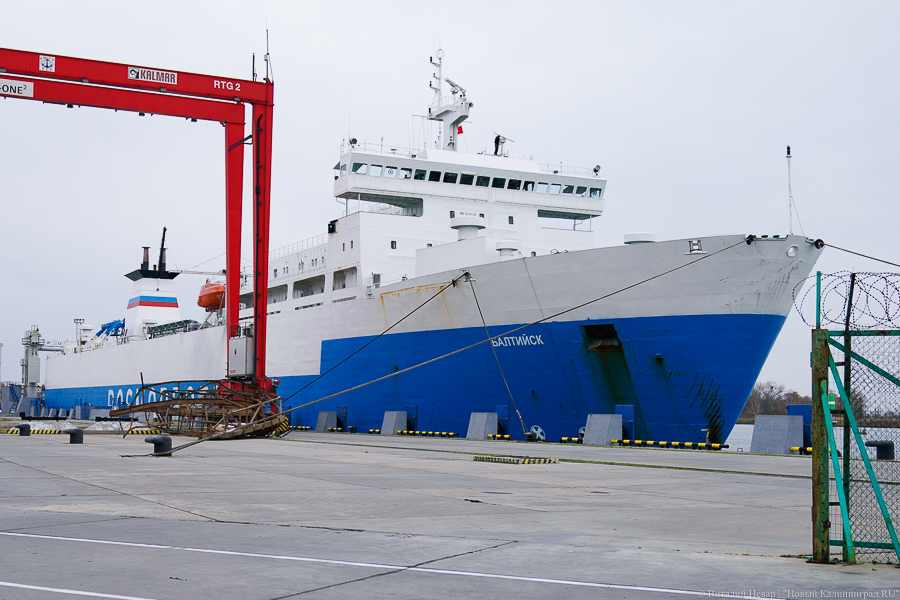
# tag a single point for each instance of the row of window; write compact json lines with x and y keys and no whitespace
{"x":316,"y":262}
{"x":470,"y":178}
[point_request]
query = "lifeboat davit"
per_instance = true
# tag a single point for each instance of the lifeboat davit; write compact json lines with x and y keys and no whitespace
{"x":212,"y":296}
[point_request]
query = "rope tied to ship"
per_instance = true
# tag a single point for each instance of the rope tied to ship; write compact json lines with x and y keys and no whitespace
{"x":470,"y":346}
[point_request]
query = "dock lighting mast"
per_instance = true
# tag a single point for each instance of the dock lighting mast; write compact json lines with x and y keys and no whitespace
{"x":76,"y":81}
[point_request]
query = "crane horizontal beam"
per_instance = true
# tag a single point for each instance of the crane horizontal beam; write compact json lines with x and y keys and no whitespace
{"x":60,"y":92}
{"x":98,"y":72}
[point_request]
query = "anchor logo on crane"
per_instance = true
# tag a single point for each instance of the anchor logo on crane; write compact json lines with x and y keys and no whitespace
{"x":47,"y":63}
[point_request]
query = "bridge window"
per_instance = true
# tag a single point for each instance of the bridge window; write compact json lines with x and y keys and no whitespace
{"x":360,"y":168}
{"x":434,"y":176}
{"x":466,"y":179}
{"x":405,"y":173}
{"x":499,"y":182}
{"x":420,"y":175}
{"x":568,"y":189}
{"x":595,"y":192}
{"x":390,"y":172}
{"x":529,"y":186}
{"x":554,"y":188}
{"x":375,"y":170}
{"x":541,"y":188}
{"x":343,"y":170}
{"x":514,"y":184}
{"x":482,"y":181}
{"x":581,"y":191}
{"x":450,"y":177}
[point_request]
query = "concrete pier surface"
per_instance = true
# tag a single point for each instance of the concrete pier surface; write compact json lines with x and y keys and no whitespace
{"x":367,"y":516}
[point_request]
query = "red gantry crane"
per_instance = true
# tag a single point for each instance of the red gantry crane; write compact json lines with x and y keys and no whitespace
{"x":76,"y":81}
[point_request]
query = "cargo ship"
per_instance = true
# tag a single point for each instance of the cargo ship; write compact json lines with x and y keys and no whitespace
{"x":455,"y":283}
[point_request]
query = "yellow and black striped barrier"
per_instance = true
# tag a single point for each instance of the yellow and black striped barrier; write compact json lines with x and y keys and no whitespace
{"x":801,"y":450}
{"x":375,"y":431}
{"x":145,"y":431}
{"x":571,"y":440}
{"x":685,"y":445}
{"x":335,"y":429}
{"x":426,"y":433}
{"x":35,"y":431}
{"x":282,"y":429}
{"x":515,"y":460}
{"x":497,"y":436}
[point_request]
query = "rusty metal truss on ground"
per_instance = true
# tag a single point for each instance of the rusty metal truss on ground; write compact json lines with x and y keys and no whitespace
{"x":205,"y":409}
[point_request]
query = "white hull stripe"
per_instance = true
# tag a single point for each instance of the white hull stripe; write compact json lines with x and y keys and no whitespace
{"x":609,"y":586}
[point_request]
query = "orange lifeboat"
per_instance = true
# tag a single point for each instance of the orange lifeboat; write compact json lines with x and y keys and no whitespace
{"x":212,"y":296}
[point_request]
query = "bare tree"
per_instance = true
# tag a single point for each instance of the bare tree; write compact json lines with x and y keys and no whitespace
{"x":770,"y":398}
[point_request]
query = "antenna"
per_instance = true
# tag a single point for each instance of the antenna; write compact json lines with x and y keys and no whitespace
{"x":266,"y":57}
{"x":790,"y":195}
{"x":254,"y":66}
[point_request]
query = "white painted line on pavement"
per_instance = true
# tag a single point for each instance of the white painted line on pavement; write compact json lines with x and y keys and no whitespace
{"x":589,"y":584}
{"x":41,"y":588}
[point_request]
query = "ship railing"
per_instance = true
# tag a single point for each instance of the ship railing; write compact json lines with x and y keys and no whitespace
{"x":362,"y":206}
{"x":318,"y":240}
{"x":560,"y":169}
{"x":452,"y":100}
{"x":379,"y":148}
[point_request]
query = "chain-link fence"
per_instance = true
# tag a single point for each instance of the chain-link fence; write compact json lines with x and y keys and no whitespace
{"x":862,"y":314}
{"x":875,"y":401}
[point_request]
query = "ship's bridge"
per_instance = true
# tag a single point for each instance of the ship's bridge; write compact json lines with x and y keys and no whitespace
{"x":405,"y":177}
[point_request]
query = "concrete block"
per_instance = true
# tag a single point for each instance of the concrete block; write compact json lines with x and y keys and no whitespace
{"x":327,"y":419}
{"x":394,"y":421}
{"x":98,"y":412}
{"x":480,"y":425}
{"x":600,"y":429}
{"x":776,"y":434}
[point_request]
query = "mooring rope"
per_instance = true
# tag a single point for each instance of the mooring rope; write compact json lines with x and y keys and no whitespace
{"x":485,"y":341}
{"x":497,"y":358}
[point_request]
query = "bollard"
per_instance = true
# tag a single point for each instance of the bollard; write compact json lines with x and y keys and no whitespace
{"x":24,"y":429}
{"x":76,"y":435}
{"x":161,"y":443}
{"x":884,"y":449}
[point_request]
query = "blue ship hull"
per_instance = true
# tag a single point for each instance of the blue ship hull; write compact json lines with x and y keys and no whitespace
{"x":687,"y":377}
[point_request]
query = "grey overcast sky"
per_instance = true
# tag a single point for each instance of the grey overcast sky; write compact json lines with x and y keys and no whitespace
{"x":688,"y":107}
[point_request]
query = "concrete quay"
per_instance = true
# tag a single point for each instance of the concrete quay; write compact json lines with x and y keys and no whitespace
{"x":366,"y":516}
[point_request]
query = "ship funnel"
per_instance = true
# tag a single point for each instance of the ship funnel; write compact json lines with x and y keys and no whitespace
{"x":467,"y":226}
{"x":162,"y":260}
{"x":145,"y":264}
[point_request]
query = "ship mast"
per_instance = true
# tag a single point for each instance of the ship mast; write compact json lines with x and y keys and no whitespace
{"x":451,"y":111}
